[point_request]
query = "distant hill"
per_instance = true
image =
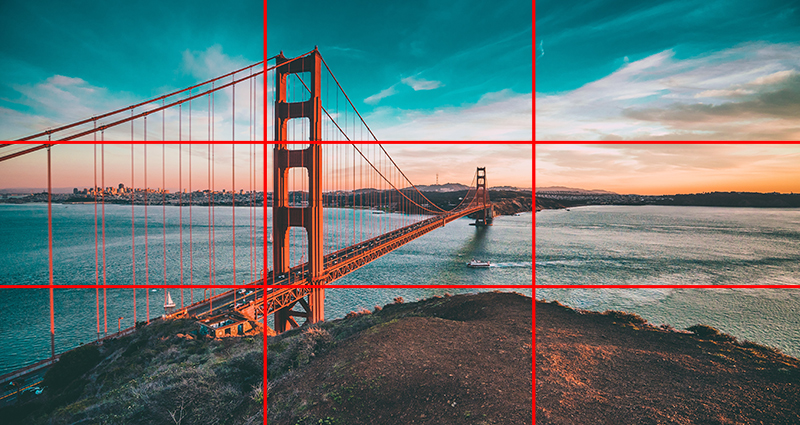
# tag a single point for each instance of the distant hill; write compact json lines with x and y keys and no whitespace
{"x":447,"y":187}
{"x":574,"y":190}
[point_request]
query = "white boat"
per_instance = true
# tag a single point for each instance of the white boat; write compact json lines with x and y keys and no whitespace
{"x":168,"y":303}
{"x":478,"y":264}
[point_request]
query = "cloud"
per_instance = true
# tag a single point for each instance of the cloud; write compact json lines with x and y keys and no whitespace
{"x":210,"y":63}
{"x":749,"y":92}
{"x":61,"y":100}
{"x":375,"y":98}
{"x":669,"y":168}
{"x":502,"y":115}
{"x":421,"y":84}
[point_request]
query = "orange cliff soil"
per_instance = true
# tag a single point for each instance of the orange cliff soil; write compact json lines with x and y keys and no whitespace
{"x":614,"y":368}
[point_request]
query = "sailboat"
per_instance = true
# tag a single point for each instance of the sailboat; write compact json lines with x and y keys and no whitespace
{"x":168,"y":303}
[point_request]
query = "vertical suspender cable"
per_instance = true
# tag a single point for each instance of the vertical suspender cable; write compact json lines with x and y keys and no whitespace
{"x":191,"y":223}
{"x":96,"y":250}
{"x":146,"y":253}
{"x":233,"y":211}
{"x":103,"y":183}
{"x":180,"y":209}
{"x":50,"y":256}
{"x":133,"y":236}
{"x":164,"y":212}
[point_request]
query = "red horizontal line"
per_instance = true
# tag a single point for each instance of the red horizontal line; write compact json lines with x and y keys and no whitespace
{"x":231,"y":286}
{"x":261,"y":142}
{"x":400,"y":286}
{"x":666,"y":286}
{"x":684,"y":142}
{"x":258,"y":286}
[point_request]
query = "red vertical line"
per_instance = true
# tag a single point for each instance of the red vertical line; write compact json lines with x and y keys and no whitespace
{"x":163,"y":132}
{"x":191,"y":222}
{"x":213,"y":112}
{"x":250,"y":207}
{"x":233,"y":212}
{"x":209,"y":215}
{"x":164,"y":211}
{"x":103,"y":183}
{"x":96,"y":249}
{"x":233,"y":114}
{"x":133,"y":238}
{"x":50,"y":253}
{"x":354,"y":198}
{"x":361,"y":196}
{"x":180,"y":209}
{"x":190,"y":124}
{"x":146,"y":252}
{"x":213,"y":214}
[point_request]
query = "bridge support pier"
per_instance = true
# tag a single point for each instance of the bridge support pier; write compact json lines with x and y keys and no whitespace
{"x":308,"y":217}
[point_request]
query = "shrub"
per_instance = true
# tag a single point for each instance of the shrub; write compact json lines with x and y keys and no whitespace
{"x":623,"y":317}
{"x":707,"y":332}
{"x":71,"y":366}
{"x":399,"y":300}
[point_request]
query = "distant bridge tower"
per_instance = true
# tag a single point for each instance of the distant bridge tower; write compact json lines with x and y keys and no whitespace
{"x":308,"y":217}
{"x":485,"y":217}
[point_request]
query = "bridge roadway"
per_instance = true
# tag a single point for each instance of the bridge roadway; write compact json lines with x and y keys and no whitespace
{"x":291,"y":287}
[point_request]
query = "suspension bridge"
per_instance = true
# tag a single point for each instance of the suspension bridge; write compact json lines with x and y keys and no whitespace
{"x":313,"y":211}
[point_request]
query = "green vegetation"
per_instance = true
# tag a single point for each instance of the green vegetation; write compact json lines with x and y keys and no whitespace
{"x":162,"y":374}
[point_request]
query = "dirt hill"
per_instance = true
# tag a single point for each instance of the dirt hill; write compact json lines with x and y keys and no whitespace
{"x":464,"y":359}
{"x":614,"y":368}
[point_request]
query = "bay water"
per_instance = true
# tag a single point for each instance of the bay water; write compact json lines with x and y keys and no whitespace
{"x":437,"y":258}
{"x":666,"y":245}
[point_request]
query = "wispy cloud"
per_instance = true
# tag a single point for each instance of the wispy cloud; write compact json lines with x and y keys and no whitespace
{"x":375,"y":98}
{"x":502,"y":115}
{"x":670,"y":168}
{"x":421,"y":84}
{"x":210,"y":63}
{"x":749,"y":92}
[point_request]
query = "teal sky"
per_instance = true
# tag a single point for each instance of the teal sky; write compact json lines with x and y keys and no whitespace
{"x":421,"y":69}
{"x":417,"y":70}
{"x":668,"y":70}
{"x":63,"y":61}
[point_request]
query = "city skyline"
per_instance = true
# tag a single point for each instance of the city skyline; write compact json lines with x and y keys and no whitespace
{"x":507,"y":165}
{"x":670,"y":169}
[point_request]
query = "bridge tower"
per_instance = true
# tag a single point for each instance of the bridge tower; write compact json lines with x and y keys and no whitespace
{"x":310,"y":216}
{"x":485,"y":217}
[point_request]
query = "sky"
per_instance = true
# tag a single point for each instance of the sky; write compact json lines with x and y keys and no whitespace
{"x":416,"y":70}
{"x":670,"y":70}
{"x":64,"y":61}
{"x":668,"y":169}
{"x":72,"y":165}
{"x":421,"y":69}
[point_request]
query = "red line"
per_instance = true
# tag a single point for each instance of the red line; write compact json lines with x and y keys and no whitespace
{"x":103,"y":183}
{"x":50,"y":252}
{"x":133,"y":239}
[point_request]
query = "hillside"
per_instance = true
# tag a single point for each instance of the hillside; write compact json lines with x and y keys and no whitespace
{"x":162,"y":374}
{"x":614,"y":368}
{"x":463,"y":359}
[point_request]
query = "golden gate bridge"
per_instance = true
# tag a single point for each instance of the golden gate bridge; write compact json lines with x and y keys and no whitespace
{"x":292,"y":253}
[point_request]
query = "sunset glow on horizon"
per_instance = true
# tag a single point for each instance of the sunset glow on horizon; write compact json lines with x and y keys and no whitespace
{"x":670,"y":168}
{"x":506,"y":164}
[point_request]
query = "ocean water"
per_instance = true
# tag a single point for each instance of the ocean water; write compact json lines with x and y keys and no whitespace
{"x":662,"y":245}
{"x":437,"y":258}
